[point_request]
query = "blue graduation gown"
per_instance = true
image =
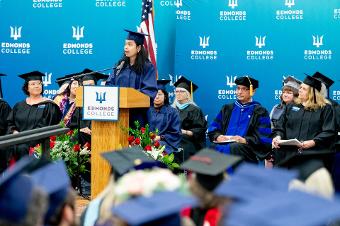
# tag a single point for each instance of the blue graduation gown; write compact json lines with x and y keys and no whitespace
{"x":145,"y":82}
{"x":166,"y":120}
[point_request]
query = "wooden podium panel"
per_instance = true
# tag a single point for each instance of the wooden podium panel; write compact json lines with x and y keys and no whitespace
{"x":108,"y":136}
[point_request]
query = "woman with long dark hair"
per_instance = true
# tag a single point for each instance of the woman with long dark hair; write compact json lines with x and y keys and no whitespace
{"x":33,"y":112}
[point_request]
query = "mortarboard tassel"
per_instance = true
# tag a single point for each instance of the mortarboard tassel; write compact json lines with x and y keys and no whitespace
{"x":191,"y":91}
{"x":251,"y":90}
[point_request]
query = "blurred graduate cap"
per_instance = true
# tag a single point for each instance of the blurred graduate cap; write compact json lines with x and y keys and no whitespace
{"x":284,"y":208}
{"x":209,"y":166}
{"x":129,"y":158}
{"x":250,"y":181}
{"x":1,"y":93}
{"x":33,"y":75}
{"x":138,"y":37}
{"x":185,"y":83}
{"x":15,"y":192}
{"x":161,"y":84}
{"x":162,"y":208}
{"x":312,"y":82}
{"x":292,"y":82}
{"x":324,"y":79}
{"x":54,"y":180}
{"x":92,"y":75}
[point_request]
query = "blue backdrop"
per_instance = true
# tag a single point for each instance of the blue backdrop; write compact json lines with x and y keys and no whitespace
{"x":209,"y":41}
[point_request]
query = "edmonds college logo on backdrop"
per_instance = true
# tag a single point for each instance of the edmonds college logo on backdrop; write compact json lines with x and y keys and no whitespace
{"x":47,"y":81}
{"x":110,"y":3}
{"x":233,"y":14}
{"x":180,"y":13}
{"x":204,"y":53}
{"x":78,"y":47}
{"x":318,"y":53}
{"x":16,"y":45}
{"x":47,"y":4}
{"x":261,"y":53}
{"x":337,"y":14}
{"x":289,"y":13}
{"x":228,"y":92}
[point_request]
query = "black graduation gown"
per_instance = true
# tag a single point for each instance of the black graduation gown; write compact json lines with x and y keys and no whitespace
{"x":192,"y":119}
{"x":5,"y":109}
{"x":257,"y":136}
{"x":296,"y":122}
{"x":78,"y":114}
{"x":25,"y":117}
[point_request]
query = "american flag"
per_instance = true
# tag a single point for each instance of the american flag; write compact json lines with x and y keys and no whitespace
{"x":147,"y":27}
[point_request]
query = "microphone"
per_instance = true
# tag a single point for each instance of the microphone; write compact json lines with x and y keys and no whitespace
{"x":120,"y":67}
{"x":83,"y":74}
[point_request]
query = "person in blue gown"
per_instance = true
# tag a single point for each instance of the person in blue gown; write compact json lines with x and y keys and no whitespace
{"x":166,"y":119}
{"x":136,"y":71}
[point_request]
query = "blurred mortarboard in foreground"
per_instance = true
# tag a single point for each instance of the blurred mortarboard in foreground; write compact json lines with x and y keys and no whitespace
{"x":185,"y":83}
{"x":292,"y":83}
{"x":324,"y":79}
{"x":250,"y":181}
{"x":284,"y":208}
{"x":92,"y":75}
{"x":34,"y":75}
{"x":162,"y":208}
{"x":15,"y":192}
{"x":161,"y":84}
{"x":138,"y":37}
{"x":209,"y":166}
{"x":249,"y":82}
{"x":54,"y":180}
{"x":129,"y":158}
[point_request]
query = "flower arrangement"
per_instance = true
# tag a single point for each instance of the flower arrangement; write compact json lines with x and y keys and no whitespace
{"x":145,"y":138}
{"x":147,"y":182}
{"x":67,"y":148}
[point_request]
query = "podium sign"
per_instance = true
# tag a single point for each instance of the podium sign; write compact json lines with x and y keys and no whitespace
{"x":101,"y":103}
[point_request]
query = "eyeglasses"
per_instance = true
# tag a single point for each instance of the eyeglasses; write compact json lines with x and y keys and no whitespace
{"x":242,"y":89}
{"x":35,"y":84}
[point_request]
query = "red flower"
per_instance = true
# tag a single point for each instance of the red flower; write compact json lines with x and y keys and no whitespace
{"x":152,"y":135}
{"x":69,"y":133}
{"x":142,"y":130}
{"x":76,"y":147}
{"x":157,"y":144}
{"x":137,"y":141}
{"x":131,"y":139}
{"x":147,"y":148}
{"x":53,"y":138}
{"x":52,"y":143}
{"x":88,"y":145}
{"x":30,"y":151}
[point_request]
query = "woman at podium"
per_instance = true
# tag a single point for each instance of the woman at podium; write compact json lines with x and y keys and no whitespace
{"x":136,"y":71}
{"x":33,"y":112}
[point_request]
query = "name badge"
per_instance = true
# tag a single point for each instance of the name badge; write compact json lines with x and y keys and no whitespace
{"x":295,"y":108}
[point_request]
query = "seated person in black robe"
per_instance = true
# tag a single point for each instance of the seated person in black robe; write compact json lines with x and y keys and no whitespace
{"x":33,"y":112}
{"x":5,"y":109}
{"x":310,"y":120}
{"x":243,"y":128}
{"x":193,"y":123}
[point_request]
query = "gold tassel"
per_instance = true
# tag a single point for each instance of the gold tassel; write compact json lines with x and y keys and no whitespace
{"x":191,"y":92}
{"x":251,"y":89}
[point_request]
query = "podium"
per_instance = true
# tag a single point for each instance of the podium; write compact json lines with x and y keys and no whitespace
{"x":107,"y":136}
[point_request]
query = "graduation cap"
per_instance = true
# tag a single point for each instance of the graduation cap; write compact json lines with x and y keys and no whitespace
{"x":138,"y":37}
{"x":1,"y":94}
{"x":15,"y":192}
{"x":292,"y":83}
{"x":33,"y":75}
{"x":92,"y":75}
{"x":248,"y":82}
{"x":129,"y":158}
{"x":161,"y":84}
{"x":314,"y":83}
{"x":324,"y":79}
{"x":162,"y":208}
{"x":284,"y":208}
{"x":185,"y":83}
{"x":209,"y":166}
{"x":54,"y":180}
{"x":250,"y":181}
